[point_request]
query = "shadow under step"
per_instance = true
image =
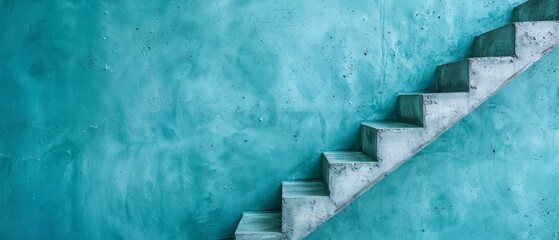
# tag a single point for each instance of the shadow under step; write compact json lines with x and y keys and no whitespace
{"x":539,"y":10}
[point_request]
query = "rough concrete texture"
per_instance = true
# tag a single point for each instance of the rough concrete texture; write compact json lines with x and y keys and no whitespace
{"x":168,"y":119}
{"x":346,"y":174}
{"x":491,"y":176}
{"x":501,"y":54}
{"x":384,"y":141}
{"x":305,"y":206}
{"x":524,"y":40}
{"x":438,"y":111}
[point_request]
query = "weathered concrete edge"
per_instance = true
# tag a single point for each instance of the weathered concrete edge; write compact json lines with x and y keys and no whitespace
{"x":382,"y":175}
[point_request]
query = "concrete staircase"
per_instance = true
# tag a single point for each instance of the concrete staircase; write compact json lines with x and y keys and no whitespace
{"x":497,"y":57}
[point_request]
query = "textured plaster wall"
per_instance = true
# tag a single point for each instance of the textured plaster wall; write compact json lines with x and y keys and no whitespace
{"x":495,"y":175}
{"x":168,"y":119}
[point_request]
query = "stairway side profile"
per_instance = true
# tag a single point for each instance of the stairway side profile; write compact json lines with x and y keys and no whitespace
{"x":496,"y":58}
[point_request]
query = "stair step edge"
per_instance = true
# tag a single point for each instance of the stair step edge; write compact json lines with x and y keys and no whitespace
{"x":304,"y":189}
{"x":260,"y":222}
{"x":338,"y":157}
{"x":391,"y":125}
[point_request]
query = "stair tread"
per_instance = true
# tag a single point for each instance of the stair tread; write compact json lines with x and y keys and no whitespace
{"x":292,"y":189}
{"x":534,"y":22}
{"x":348,"y":157}
{"x":390,"y":125}
{"x":435,"y":93}
{"x":260,"y":222}
{"x":491,"y":58}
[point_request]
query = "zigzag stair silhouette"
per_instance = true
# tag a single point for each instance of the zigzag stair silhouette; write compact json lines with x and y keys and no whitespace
{"x":497,"y":57}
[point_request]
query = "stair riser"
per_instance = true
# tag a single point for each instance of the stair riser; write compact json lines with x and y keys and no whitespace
{"x":411,"y":109}
{"x":543,"y":10}
{"x":496,"y":43}
{"x":301,"y":216}
{"x":369,"y":141}
{"x":453,"y":77}
{"x":524,"y":40}
{"x":346,"y":180}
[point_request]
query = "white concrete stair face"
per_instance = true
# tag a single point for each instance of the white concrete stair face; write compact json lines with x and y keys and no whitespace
{"x":305,"y":206}
{"x":389,"y":142}
{"x":497,"y":57}
{"x":432,"y":111}
{"x":346,"y":174}
{"x":423,"y":117}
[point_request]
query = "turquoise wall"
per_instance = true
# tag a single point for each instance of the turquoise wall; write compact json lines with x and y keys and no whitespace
{"x":494,"y":175}
{"x":147,"y":119}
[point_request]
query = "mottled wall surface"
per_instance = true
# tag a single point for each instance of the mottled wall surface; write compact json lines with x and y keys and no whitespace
{"x":166,"y":120}
{"x":495,"y":175}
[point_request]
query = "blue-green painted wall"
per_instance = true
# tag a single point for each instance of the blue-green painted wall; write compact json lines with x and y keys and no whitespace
{"x":168,"y":119}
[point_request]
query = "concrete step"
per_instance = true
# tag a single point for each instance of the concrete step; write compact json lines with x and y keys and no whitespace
{"x":305,"y":206}
{"x":422,"y":118}
{"x":389,"y":142}
{"x":481,"y":77}
{"x":433,"y":111}
{"x":260,"y":225}
{"x":520,"y":39}
{"x":461,"y":76}
{"x":536,"y":10}
{"x":347,"y":173}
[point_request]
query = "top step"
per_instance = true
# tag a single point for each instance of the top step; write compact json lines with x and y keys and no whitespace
{"x":536,"y":10}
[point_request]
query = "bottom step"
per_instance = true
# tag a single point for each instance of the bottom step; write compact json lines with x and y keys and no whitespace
{"x":260,"y":225}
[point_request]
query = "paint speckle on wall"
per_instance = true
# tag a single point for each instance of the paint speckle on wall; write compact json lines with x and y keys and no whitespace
{"x":146,"y":120}
{"x":492,"y":176}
